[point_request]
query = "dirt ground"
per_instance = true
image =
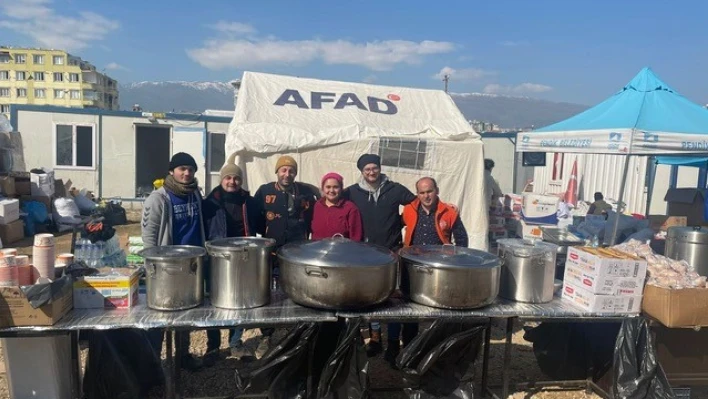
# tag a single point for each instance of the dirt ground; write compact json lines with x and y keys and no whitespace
{"x":385,"y":381}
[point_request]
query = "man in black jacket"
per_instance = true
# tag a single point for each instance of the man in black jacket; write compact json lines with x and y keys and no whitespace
{"x":285,"y":206}
{"x":379,"y":201}
{"x":284,"y":214}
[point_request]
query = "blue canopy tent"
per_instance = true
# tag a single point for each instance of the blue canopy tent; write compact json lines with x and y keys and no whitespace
{"x":646,"y":117}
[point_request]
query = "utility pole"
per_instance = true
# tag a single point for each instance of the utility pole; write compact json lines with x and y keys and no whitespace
{"x":446,"y":79}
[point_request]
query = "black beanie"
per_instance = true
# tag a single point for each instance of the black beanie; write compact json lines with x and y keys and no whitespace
{"x":182,"y":159}
{"x":367,"y":159}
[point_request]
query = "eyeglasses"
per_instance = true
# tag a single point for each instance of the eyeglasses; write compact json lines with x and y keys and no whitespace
{"x":372,"y":170}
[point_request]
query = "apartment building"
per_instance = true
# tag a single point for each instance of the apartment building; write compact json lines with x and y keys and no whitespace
{"x":52,"y":77}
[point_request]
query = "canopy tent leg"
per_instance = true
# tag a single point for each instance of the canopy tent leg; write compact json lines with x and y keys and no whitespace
{"x":620,"y":202}
{"x":651,"y":176}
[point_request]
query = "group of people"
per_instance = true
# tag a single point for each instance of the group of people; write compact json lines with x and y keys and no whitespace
{"x":290,"y":211}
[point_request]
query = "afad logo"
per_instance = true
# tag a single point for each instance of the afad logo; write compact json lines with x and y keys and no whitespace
{"x":650,"y":140}
{"x":574,"y":256}
{"x":616,"y":142}
{"x":377,"y":105}
{"x":525,"y":140}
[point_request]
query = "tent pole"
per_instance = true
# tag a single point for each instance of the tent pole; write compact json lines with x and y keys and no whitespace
{"x":651,"y":177}
{"x":620,"y":203}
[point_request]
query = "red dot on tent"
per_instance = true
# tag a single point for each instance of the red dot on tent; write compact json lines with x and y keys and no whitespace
{"x":394,"y":97}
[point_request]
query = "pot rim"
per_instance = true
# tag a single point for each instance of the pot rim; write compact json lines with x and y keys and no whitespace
{"x":315,"y":263}
{"x":211,"y":245}
{"x":145,"y":253}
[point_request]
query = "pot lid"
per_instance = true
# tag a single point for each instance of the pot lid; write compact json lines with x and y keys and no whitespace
{"x":691,"y":234}
{"x":449,"y":256}
{"x":232,"y":243}
{"x":525,"y":248}
{"x":166,"y":252}
{"x":336,"y":252}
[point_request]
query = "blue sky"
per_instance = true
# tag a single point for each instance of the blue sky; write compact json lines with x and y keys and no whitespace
{"x":571,"y":51}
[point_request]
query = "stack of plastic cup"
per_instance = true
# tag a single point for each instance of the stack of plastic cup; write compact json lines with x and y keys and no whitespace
{"x":43,"y":256}
{"x":24,"y":270}
{"x":8,"y":271}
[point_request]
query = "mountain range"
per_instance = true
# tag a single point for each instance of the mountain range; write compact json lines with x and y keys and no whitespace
{"x":506,"y":111}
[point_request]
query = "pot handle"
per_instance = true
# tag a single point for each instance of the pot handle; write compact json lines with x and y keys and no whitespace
{"x":150,"y":269}
{"x":453,"y":247}
{"x":193,"y":267}
{"x":222,"y":255}
{"x":423,"y":269}
{"x":315,"y":272}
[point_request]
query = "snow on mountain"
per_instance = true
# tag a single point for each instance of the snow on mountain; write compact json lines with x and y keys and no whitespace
{"x":506,"y":111}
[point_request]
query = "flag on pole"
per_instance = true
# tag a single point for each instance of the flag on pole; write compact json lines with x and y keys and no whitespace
{"x":571,"y":194}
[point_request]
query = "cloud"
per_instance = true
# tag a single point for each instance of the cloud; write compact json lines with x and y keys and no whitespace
{"x":512,"y":43}
{"x":463,"y":74}
{"x":38,"y":20}
{"x":234,"y":27}
{"x":230,"y":52}
{"x":524,"y":88}
{"x":114,"y":66}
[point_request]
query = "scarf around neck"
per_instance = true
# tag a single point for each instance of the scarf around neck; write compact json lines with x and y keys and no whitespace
{"x":178,"y":188}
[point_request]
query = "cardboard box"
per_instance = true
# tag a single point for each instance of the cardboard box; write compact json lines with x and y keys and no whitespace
{"x":663,"y":222}
{"x":7,"y":186}
{"x":603,"y":284}
{"x":23,"y":187}
{"x":15,"y":309}
{"x":683,"y":354}
{"x":9,"y":211}
{"x":601,"y":304}
{"x":687,"y":307}
{"x":13,"y":232}
{"x":42,"y":184}
{"x":540,"y":209}
{"x":107,"y":290}
{"x":606,"y":263}
{"x":529,"y":231}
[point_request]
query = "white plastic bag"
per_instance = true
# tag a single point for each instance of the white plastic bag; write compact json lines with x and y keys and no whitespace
{"x":66,"y":212}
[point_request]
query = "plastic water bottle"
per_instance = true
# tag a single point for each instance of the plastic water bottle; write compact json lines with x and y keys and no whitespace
{"x":79,"y":249}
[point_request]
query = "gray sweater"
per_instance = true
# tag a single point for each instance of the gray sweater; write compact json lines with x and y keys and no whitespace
{"x":157,"y":219}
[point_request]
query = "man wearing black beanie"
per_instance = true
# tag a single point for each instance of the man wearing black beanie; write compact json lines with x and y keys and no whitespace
{"x":378,"y":200}
{"x":172,"y":215}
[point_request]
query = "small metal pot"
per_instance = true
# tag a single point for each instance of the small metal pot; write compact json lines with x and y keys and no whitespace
{"x":450,"y":277}
{"x":337,"y":273}
{"x":240,"y":272}
{"x":173,"y":276}
{"x":528,"y":270}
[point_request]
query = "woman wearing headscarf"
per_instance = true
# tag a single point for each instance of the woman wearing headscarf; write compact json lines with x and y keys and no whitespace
{"x":333,"y":214}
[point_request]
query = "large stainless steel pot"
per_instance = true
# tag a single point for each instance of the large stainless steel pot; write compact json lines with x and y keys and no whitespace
{"x":689,"y":244}
{"x":240,"y":272}
{"x":337,"y":273}
{"x":450,"y":277}
{"x":174,"y":276}
{"x":528,"y":270}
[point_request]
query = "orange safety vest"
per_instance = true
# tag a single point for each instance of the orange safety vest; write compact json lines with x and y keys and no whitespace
{"x":445,"y":217}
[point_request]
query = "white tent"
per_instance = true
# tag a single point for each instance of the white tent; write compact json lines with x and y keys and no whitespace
{"x":327,"y":125}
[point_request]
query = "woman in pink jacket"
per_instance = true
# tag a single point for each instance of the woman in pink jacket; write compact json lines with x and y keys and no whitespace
{"x":335,"y":215}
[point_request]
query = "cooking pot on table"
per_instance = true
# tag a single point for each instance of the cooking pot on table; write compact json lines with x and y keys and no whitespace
{"x":528,"y":270}
{"x":240,"y":272}
{"x":337,"y":273}
{"x":450,"y":277}
{"x":174,"y":276}
{"x":689,"y":244}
